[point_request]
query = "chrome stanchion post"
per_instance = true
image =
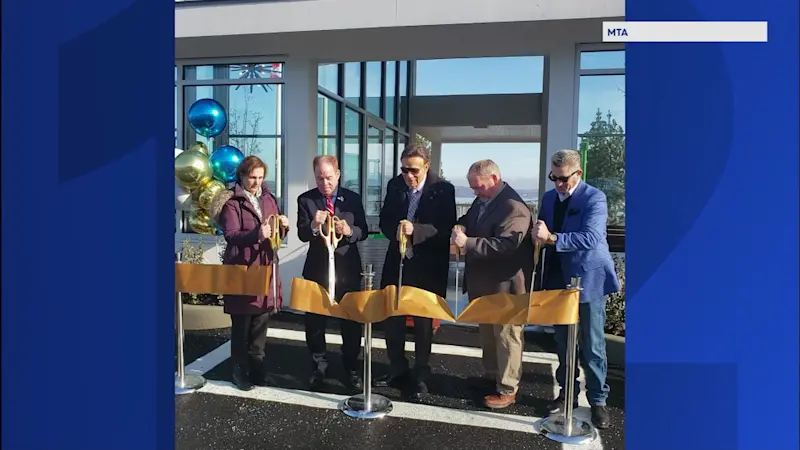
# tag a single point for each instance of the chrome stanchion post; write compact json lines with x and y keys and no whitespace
{"x":564,"y":427}
{"x":367,"y":405}
{"x":184,"y":383}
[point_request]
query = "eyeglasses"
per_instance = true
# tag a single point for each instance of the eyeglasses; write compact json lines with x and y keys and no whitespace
{"x":411,"y":170}
{"x":561,"y":179}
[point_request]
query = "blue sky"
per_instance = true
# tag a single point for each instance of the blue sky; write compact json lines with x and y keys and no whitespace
{"x":520,"y":75}
{"x":518,"y":161}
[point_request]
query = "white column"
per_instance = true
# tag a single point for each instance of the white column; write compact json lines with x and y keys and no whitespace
{"x":300,"y":148}
{"x":560,"y":108}
{"x":436,"y":156}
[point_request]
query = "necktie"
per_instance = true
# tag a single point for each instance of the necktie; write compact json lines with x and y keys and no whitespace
{"x":413,"y":202}
{"x":329,"y":204}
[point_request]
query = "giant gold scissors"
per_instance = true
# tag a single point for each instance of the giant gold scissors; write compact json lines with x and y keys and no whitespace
{"x":402,"y":241}
{"x":332,"y":240}
{"x":457,"y":251}
{"x":275,"y":241}
{"x":537,"y":246}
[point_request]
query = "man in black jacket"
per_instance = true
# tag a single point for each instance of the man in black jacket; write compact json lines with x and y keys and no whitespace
{"x":422,"y":206}
{"x":313,"y":208}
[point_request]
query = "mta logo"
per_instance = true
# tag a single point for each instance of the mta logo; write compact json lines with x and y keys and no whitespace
{"x":616,"y":32}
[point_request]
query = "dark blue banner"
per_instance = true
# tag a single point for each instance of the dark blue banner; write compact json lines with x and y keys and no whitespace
{"x":88,"y":225}
{"x":712,"y":233}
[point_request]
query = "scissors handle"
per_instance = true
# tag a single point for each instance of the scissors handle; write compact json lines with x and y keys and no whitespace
{"x":330,"y":236}
{"x":278,"y":231}
{"x":402,"y":240}
{"x":457,"y":248}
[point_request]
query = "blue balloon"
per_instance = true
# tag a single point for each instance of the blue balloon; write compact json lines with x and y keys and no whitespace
{"x":224,"y":161}
{"x":207,"y":117}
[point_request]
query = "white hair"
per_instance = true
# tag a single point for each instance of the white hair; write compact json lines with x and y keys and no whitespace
{"x":570,"y":159}
{"x":484,"y":168}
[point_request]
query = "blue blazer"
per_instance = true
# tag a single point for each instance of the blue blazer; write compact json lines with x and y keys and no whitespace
{"x":582,"y":243}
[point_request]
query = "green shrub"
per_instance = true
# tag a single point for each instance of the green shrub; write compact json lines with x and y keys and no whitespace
{"x":615,"y":308}
{"x":193,"y":254}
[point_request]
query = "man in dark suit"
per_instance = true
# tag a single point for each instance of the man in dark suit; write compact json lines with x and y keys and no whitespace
{"x":572,"y":225}
{"x":498,"y":249}
{"x":422,"y":206}
{"x":313,"y":209}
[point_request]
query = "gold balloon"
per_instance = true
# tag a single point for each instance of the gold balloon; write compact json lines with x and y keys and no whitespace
{"x":199,"y":147}
{"x":200,"y":222}
{"x":207,"y":193}
{"x":192,"y":169}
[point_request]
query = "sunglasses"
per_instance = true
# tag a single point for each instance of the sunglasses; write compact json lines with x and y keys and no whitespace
{"x":561,"y":179}
{"x":411,"y":170}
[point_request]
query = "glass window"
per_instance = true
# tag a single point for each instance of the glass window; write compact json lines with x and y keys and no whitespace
{"x":603,"y":60}
{"x":327,"y":125}
{"x":388,"y":160}
{"x":403,"y":85}
{"x":255,"y":116}
{"x":374,"y":84}
{"x":601,"y":139}
{"x":374,"y":172}
{"x":234,"y":71}
{"x":401,"y":145}
{"x":352,"y":83}
{"x":328,"y":77}
{"x":390,"y":87}
{"x":351,"y":158}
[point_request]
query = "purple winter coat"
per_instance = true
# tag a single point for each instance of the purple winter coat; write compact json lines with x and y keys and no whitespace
{"x":240,"y":225}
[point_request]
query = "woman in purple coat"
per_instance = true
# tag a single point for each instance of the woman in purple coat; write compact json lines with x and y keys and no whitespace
{"x":241,"y":213}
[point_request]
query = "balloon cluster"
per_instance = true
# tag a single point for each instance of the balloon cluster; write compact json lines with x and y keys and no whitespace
{"x":200,"y":175}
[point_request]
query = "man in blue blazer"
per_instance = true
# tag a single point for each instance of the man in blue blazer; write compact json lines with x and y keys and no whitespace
{"x":572,"y":226}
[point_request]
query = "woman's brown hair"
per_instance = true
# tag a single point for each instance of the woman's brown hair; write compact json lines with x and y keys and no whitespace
{"x":248,"y":165}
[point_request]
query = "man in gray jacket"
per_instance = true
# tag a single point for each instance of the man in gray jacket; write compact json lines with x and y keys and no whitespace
{"x":498,"y":248}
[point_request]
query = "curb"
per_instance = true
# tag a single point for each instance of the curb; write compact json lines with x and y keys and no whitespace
{"x":204,"y":317}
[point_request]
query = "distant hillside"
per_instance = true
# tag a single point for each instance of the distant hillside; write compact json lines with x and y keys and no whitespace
{"x":464,"y":192}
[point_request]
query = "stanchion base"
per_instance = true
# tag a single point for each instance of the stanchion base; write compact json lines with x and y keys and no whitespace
{"x":553,"y":428}
{"x":355,"y":407}
{"x":191,"y":383}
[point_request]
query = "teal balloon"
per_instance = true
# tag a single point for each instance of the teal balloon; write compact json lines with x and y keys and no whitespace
{"x":207,"y":117}
{"x":224,"y":161}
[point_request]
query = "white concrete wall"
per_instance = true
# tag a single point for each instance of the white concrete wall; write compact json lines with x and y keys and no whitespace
{"x":192,"y":20}
{"x":560,"y":102}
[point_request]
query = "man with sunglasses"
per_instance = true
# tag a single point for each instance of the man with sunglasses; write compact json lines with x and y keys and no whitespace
{"x":422,"y":206}
{"x":572,"y":226}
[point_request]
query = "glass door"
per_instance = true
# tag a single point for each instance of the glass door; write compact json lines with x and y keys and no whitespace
{"x":373,"y":180}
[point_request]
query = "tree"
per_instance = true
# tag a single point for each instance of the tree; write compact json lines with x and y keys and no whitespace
{"x":423,"y":141}
{"x":603,"y":152}
{"x":244,"y":124}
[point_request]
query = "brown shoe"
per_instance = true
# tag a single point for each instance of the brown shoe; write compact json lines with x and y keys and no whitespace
{"x":499,"y":401}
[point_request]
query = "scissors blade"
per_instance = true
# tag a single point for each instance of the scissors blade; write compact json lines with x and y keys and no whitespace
{"x":331,"y":277}
{"x":399,"y":284}
{"x":458,"y":292}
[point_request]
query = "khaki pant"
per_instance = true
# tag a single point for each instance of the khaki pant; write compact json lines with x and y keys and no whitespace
{"x":502,"y":355}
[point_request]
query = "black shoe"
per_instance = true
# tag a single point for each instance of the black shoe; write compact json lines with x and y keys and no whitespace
{"x":557,"y":406}
{"x":317,"y":380}
{"x":600,"y":417}
{"x":241,"y":378}
{"x":258,"y":375}
{"x":417,"y":390}
{"x":353,"y":380}
{"x":393,"y":381}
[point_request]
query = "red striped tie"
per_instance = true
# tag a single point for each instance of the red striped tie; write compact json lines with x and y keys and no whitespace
{"x":329,"y":204}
